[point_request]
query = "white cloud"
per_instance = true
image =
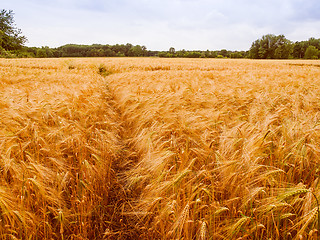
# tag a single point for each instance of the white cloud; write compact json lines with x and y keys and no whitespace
{"x":160,"y":24}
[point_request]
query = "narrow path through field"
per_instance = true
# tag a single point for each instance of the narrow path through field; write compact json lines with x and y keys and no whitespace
{"x":63,"y":154}
{"x":124,"y":224}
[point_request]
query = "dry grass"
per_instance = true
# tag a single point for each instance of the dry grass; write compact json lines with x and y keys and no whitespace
{"x":59,"y":137}
{"x":159,"y":149}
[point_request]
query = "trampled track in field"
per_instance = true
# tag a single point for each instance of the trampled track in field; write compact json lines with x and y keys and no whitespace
{"x":147,"y":148}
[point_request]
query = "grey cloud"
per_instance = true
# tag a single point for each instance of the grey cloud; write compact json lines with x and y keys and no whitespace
{"x":159,"y":24}
{"x":306,"y":10}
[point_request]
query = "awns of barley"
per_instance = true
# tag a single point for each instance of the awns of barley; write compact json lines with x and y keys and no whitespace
{"x":90,"y":148}
{"x":178,"y":227}
{"x":306,"y":221}
{"x":203,"y":231}
{"x":237,"y":227}
{"x":292,"y":193}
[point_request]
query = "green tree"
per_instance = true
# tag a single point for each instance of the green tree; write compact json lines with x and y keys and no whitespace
{"x":271,"y":46}
{"x":172,"y":50}
{"x":224,"y":53}
{"x":97,"y":52}
{"x":267,"y":46}
{"x":127,"y":48}
{"x":314,"y":42}
{"x":181,"y":53}
{"x":236,"y":55}
{"x":207,"y":54}
{"x":312,"y":53}
{"x":298,"y":50}
{"x":214,"y":54}
{"x":254,"y":50}
{"x":49,"y":51}
{"x":283,"y":48}
{"x":41,"y":53}
{"x":137,"y":51}
{"x":193,"y":54}
{"x":162,"y":54}
{"x":10,"y":35}
{"x":144,"y":50}
{"x":109,"y":53}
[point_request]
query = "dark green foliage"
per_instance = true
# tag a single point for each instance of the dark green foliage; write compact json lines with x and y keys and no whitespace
{"x":278,"y":47}
{"x":224,"y":53}
{"x":137,"y":51}
{"x":202,"y":54}
{"x":298,"y":50}
{"x":312,"y":53}
{"x":193,"y":54}
{"x":172,"y":50}
{"x":271,"y":47}
{"x":236,"y":55}
{"x":99,"y":50}
{"x":41,"y":53}
{"x":10,"y":36}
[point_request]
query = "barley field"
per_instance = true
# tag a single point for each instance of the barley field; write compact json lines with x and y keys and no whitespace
{"x":148,"y":148}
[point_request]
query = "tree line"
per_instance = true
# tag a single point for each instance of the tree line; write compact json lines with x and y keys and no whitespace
{"x":172,"y":53}
{"x":278,"y":47}
{"x":95,"y":50}
{"x":12,"y":44}
{"x":268,"y":47}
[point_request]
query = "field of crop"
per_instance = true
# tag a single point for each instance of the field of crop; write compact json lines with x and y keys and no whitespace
{"x":147,"y":148}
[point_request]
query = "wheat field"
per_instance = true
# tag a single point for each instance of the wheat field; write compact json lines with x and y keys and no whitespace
{"x":148,"y":148}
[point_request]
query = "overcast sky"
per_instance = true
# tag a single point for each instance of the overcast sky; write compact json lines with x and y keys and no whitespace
{"x":161,"y":24}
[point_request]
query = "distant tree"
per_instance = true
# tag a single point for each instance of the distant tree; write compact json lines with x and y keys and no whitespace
{"x":109,"y":53}
{"x":144,"y":51}
{"x":172,"y":50}
{"x":207,"y":54}
{"x":254,"y":50}
{"x":49,"y":51}
{"x":193,"y":54}
{"x":298,"y":50}
{"x":181,"y":53}
{"x":10,"y":35}
{"x":32,"y":51}
{"x":223,"y":52}
{"x":236,"y":55}
{"x":314,"y":42}
{"x":119,"y":54}
{"x":283,"y":48}
{"x":127,"y":48}
{"x":137,"y":51}
{"x":311,"y":53}
{"x":152,"y":53}
{"x":267,"y":46}
{"x":271,"y":46}
{"x":213,"y":54}
{"x":116,"y":48}
{"x":97,"y":52}
{"x":41,"y":53}
{"x":162,"y":54}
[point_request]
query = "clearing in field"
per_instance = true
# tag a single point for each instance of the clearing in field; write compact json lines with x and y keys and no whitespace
{"x":146,"y":148}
